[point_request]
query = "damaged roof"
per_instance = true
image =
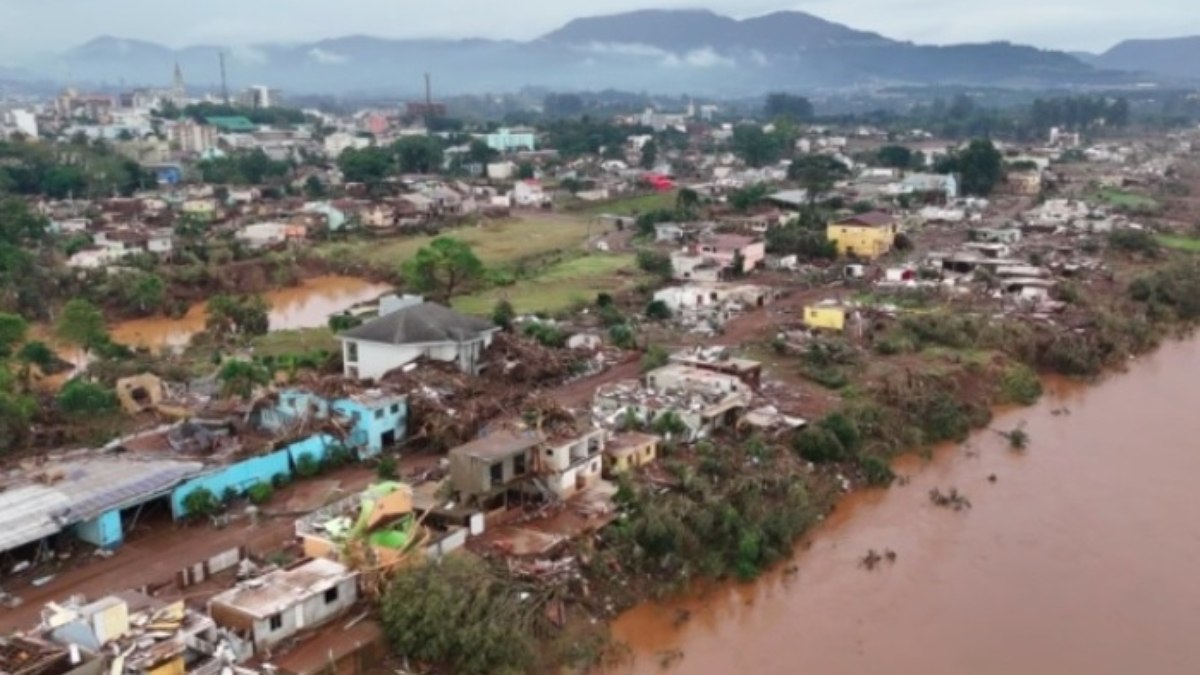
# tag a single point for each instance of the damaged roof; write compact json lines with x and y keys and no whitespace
{"x":425,"y":323}
{"x":498,"y":445}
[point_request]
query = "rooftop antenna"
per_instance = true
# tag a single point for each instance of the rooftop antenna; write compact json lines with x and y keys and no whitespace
{"x":224,"y":81}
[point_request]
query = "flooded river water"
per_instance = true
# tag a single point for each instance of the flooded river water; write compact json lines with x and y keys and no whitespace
{"x":307,"y":305}
{"x":1080,"y":558}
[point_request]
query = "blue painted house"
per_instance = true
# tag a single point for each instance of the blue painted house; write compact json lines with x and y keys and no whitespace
{"x":377,"y":419}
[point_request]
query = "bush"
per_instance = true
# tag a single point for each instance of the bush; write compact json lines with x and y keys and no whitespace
{"x":388,"y":468}
{"x":1134,"y":241}
{"x":658,"y":264}
{"x":622,"y":336}
{"x":655,"y":357}
{"x":260,"y":493}
{"x":877,"y":471}
{"x":819,"y":445}
{"x":1021,"y":385}
{"x":503,"y":314}
{"x":546,"y":334}
{"x":845,"y":429}
{"x":307,"y":466}
{"x":83,"y":397}
{"x":201,"y":503}
{"x":281,"y":480}
{"x":658,"y":310}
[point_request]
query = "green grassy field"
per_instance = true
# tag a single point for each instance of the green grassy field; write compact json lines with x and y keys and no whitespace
{"x":295,"y":342}
{"x":494,"y":243}
{"x":1179,"y":243}
{"x":560,"y":286}
{"x":1127,"y":200}
{"x":633,"y":205}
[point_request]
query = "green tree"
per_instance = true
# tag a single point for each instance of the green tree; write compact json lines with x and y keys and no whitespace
{"x":525,"y":171}
{"x":817,"y":174}
{"x":503,"y":314}
{"x":314,"y":188}
{"x":981,"y":166}
{"x":687,"y":203}
{"x":16,"y":412}
{"x":481,"y":153}
{"x":788,"y":106}
{"x":19,"y":225}
{"x":366,"y":165}
{"x":12,"y":333}
{"x":237,"y":315}
{"x":81,"y":324}
{"x":755,"y":146}
{"x":748,"y":197}
{"x":443,"y":267}
{"x":83,"y":397}
{"x":418,"y":154}
{"x":649,"y":155}
{"x":895,"y":156}
{"x":37,"y":353}
{"x":462,"y":614}
{"x":653,"y":262}
{"x":239,"y":378}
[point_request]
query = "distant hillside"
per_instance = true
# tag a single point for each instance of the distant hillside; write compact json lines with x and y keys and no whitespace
{"x":655,"y":50}
{"x":1174,"y":57}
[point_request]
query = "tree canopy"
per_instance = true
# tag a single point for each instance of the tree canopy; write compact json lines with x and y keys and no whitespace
{"x":82,"y":324}
{"x":817,"y":174}
{"x":443,"y":268}
{"x":757,"y":147}
{"x":980,"y":166}
{"x":788,"y":106}
{"x":237,"y":315}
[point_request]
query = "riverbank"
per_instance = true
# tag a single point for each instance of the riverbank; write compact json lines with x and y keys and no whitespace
{"x":1076,"y":558}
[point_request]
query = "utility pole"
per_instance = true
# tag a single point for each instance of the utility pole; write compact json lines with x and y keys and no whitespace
{"x":428,"y":102}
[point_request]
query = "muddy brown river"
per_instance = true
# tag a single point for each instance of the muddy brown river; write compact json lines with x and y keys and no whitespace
{"x":1081,"y":559}
{"x":307,"y":305}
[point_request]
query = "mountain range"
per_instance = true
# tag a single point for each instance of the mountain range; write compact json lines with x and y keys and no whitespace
{"x":658,"y":50}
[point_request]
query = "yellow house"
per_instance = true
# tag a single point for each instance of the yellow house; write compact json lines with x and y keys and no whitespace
{"x":828,"y":315}
{"x":866,"y":235}
{"x":628,"y":451}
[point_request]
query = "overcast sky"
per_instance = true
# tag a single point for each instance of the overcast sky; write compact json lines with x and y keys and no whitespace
{"x":28,"y":26}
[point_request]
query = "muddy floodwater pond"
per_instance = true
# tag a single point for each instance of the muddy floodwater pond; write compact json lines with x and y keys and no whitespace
{"x":1077,"y":556}
{"x":307,"y":305}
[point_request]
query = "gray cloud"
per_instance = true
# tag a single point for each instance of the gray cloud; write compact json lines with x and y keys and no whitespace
{"x":31,"y":26}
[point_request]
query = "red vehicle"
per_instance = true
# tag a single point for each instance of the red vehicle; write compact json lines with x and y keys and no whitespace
{"x":659,"y":182}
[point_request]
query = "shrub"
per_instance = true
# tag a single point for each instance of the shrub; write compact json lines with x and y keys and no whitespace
{"x":281,"y":480}
{"x":622,"y":336}
{"x":260,"y":493}
{"x":546,"y":334}
{"x":1021,"y":385}
{"x":658,"y":264}
{"x":655,"y":357}
{"x":503,"y":314}
{"x":877,"y":471}
{"x":1134,"y":241}
{"x":845,"y":429}
{"x":83,"y":397}
{"x":307,"y":466}
{"x":388,"y":469}
{"x":201,"y":503}
{"x":658,"y":310}
{"x":819,"y":445}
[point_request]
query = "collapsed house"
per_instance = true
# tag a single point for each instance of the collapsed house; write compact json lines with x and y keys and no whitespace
{"x":374,"y":530}
{"x":703,"y":401}
{"x":135,"y":634}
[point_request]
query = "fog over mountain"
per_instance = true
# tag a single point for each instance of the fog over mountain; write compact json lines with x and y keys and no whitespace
{"x":661,"y":50}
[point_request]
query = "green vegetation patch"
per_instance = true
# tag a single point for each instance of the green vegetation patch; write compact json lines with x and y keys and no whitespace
{"x":494,"y":243}
{"x":560,"y":286}
{"x":632,"y":206}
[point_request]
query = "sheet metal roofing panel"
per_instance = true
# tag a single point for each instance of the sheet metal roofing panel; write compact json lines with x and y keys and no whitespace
{"x":25,"y":514}
{"x":97,"y":486}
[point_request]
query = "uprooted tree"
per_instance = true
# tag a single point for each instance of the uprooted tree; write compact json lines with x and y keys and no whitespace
{"x":443,"y":268}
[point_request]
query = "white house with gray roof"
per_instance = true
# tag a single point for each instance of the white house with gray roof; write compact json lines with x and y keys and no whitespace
{"x":424,"y":329}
